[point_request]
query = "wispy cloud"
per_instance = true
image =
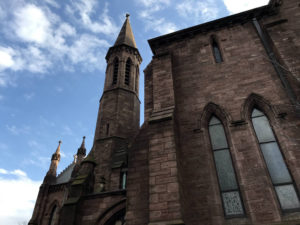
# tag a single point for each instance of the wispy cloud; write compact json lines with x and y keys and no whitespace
{"x":149,"y":9}
{"x":236,"y":6}
{"x":13,"y":129}
{"x":36,"y":158}
{"x":29,"y":96}
{"x":10,"y":182}
{"x":86,"y":8}
{"x":52,"y":3}
{"x":199,"y":10}
{"x":42,"y":39}
{"x":160,"y":25}
{"x":66,"y":130}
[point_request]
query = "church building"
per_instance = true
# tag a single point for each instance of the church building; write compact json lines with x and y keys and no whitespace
{"x":220,"y":144}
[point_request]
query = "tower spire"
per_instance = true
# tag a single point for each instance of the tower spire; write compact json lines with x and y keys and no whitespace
{"x":81,"y":152}
{"x":58,"y":147}
{"x":126,"y":36}
{"x":51,"y":174}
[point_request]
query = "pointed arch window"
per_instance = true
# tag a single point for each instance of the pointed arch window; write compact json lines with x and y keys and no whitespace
{"x":279,"y":173}
{"x":53,"y":215}
{"x":116,"y":70}
{"x":136,"y":79}
{"x":127,"y":71}
{"x":229,"y":188}
{"x":216,"y":51}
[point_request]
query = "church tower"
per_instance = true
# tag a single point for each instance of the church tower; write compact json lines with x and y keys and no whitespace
{"x":119,"y":110}
{"x":103,"y":172}
{"x":119,"y":114}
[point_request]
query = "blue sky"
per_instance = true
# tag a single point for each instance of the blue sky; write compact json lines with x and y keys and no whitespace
{"x":52,"y":69}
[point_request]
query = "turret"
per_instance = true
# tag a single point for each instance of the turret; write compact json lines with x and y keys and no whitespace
{"x":81,"y":152}
{"x":51,"y":174}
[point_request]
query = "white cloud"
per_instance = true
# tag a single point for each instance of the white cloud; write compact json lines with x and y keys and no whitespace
{"x":18,"y":195}
{"x":32,"y":24}
{"x":1,"y":97}
{"x":48,"y":40}
{"x":3,"y":171}
{"x":6,"y":57}
{"x":88,"y":50}
{"x":37,"y":61}
{"x":158,"y":24}
{"x":151,"y":3}
{"x":236,"y":6}
{"x":86,"y":8}
{"x":198,"y":10}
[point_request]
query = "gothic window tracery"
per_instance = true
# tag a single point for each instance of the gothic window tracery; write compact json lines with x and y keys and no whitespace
{"x":279,"y":173}
{"x":229,"y":188}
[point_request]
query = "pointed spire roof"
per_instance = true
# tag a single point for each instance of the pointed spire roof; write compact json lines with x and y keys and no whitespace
{"x":126,"y":36}
{"x":56,"y":155}
{"x":82,"y":149}
{"x":58,"y":148}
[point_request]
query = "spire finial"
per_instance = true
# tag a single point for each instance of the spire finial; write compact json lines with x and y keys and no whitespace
{"x":82,"y":150}
{"x":58,"y":147}
{"x":127,"y":15}
{"x":83,"y":142}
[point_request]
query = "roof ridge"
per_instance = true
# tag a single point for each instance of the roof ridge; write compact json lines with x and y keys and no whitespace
{"x":60,"y":174}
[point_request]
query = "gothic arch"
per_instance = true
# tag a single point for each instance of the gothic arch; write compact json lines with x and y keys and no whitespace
{"x":213,"y":109}
{"x":53,"y":208}
{"x":50,"y":207}
{"x":118,"y":209}
{"x":128,"y":71}
{"x":255,"y":100}
{"x":115,"y":70}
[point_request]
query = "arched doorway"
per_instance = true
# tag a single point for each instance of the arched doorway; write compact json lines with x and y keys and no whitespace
{"x":117,"y":219}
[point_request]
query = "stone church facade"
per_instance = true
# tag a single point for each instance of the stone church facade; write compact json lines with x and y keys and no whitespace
{"x":221,"y":139}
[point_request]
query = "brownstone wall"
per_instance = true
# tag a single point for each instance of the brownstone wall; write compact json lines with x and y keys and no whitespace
{"x":229,"y":90}
{"x":284,"y":31}
{"x":137,"y":210}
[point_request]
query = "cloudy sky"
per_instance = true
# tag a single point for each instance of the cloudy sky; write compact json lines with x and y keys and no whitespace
{"x":52,"y":70}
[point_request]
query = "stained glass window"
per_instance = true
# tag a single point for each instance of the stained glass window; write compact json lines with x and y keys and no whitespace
{"x":279,"y":173}
{"x":226,"y":175}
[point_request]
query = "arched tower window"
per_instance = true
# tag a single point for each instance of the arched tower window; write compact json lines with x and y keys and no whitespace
{"x":136,"y":78}
{"x":216,"y":50}
{"x":53,"y":215}
{"x":280,"y":175}
{"x":116,"y":69}
{"x":127,"y":71}
{"x":229,"y":187}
